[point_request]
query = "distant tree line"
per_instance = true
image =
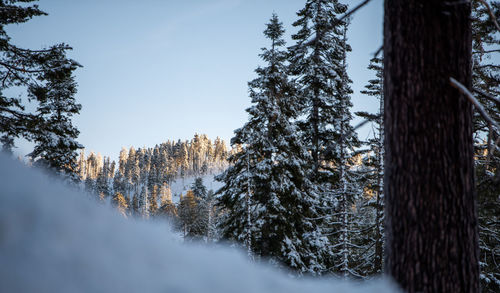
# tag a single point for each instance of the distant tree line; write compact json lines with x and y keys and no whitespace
{"x":139,"y":183}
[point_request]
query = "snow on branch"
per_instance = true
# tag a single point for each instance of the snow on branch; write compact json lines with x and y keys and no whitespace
{"x":488,"y":96}
{"x":492,"y":15}
{"x":346,"y":15}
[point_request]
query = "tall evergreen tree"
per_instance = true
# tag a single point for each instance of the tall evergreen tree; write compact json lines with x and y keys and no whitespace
{"x":371,"y":241}
{"x":198,"y":188}
{"x":486,"y":78}
{"x":314,"y":62}
{"x":267,"y":191}
{"x":47,"y":77}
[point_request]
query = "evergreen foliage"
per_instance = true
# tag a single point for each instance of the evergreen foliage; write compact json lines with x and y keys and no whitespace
{"x":270,"y":202}
{"x":46,"y":76}
{"x":486,"y":78}
{"x":370,"y":242}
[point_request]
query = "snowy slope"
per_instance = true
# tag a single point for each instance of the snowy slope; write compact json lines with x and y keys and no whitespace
{"x":55,"y":240}
{"x":180,"y":186}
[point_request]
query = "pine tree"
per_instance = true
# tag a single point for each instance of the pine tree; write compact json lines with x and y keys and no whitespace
{"x":267,"y":192}
{"x":55,"y":141}
{"x":47,"y":77}
{"x":314,"y":62}
{"x":191,"y":217}
{"x":370,"y":257}
{"x":102,"y":183}
{"x":486,"y":78}
{"x":153,"y":201}
{"x":198,"y":188}
{"x":120,"y":203}
{"x":167,"y":207}
{"x":144,"y":203}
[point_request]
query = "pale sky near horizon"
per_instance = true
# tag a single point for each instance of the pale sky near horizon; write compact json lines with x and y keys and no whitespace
{"x":155,"y":70}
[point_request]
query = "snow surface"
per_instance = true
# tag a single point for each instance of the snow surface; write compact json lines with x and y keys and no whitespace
{"x":54,"y":240}
{"x":181,"y":186}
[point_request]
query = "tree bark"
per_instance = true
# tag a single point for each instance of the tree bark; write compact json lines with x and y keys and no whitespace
{"x":431,"y":224}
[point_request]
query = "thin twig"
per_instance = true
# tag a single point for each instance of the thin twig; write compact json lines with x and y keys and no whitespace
{"x":492,"y":15}
{"x":361,"y":124}
{"x":375,"y":55}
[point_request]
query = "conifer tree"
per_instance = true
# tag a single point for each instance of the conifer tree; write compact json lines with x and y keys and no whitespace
{"x":144,"y":203}
{"x":153,"y":201}
{"x":486,"y":78}
{"x":167,"y":207}
{"x":314,"y":62}
{"x":198,"y":188}
{"x":46,"y":75}
{"x":370,"y":256}
{"x":190,"y":218}
{"x":267,"y":192}
{"x":120,"y":203}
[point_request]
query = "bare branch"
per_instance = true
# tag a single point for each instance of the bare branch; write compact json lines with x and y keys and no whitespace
{"x":379,"y":50}
{"x":360,"y":124}
{"x":486,"y":51}
{"x":456,"y":84}
{"x":350,"y":12}
{"x":491,"y":123}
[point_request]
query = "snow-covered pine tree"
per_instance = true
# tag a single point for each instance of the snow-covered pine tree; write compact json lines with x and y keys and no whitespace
{"x":273,"y":166}
{"x":313,"y":63}
{"x":369,"y":256}
{"x":102,"y":181}
{"x":198,"y":188}
{"x":144,"y":203}
{"x":81,"y":165}
{"x":192,"y":220}
{"x":54,"y":134}
{"x":135,"y":203}
{"x":318,"y":62}
{"x":167,"y":207}
{"x":341,"y":152}
{"x":47,"y":77}
{"x":486,"y":78}
{"x":153,"y":201}
{"x":120,"y":203}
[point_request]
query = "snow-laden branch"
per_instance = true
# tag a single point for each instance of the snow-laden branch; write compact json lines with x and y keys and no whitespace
{"x":492,"y":15}
{"x":488,"y":96}
{"x":346,"y":15}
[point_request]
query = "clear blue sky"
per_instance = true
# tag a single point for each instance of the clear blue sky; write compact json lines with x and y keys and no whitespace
{"x":165,"y":69}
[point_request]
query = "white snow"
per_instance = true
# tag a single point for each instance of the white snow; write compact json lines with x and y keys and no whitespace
{"x":180,"y":186}
{"x":54,"y":240}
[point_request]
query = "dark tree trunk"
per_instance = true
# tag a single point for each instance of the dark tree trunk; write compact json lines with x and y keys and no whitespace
{"x":432,"y":242}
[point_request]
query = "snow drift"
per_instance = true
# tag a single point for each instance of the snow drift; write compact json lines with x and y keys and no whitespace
{"x":53,"y":239}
